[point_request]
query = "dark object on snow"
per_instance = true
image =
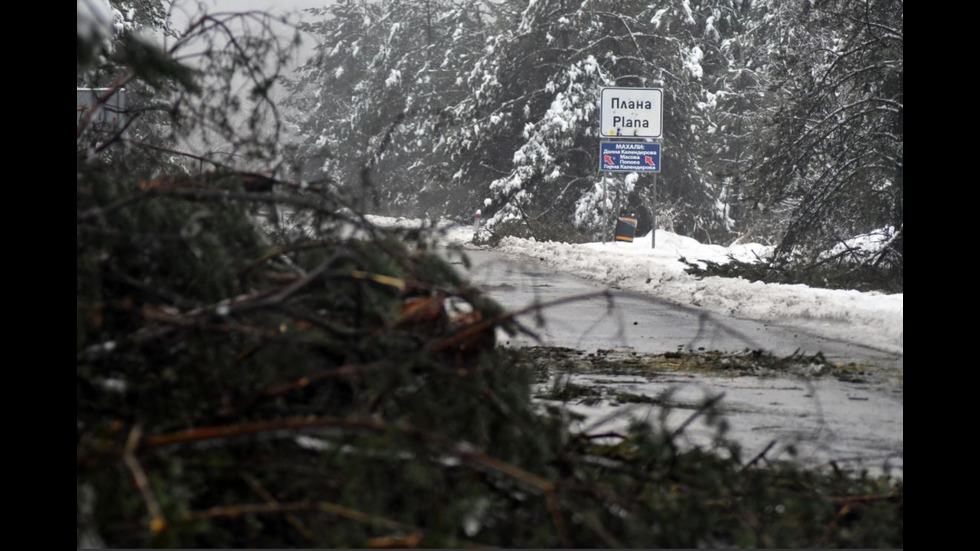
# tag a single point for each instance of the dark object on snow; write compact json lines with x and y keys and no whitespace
{"x":625,"y":228}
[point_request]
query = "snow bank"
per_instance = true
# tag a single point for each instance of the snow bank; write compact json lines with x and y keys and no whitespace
{"x":862,"y":246}
{"x":449,"y":231}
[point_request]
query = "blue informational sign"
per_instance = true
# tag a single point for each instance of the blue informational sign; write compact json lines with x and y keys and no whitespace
{"x":624,"y":156}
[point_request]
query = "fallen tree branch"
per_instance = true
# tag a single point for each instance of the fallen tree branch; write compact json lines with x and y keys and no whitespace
{"x":350,"y":370}
{"x":232,"y":511}
{"x":461,"y":450}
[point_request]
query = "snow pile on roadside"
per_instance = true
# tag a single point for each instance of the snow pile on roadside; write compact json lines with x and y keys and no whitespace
{"x":448,"y":231}
{"x":871,"y":318}
{"x":862,"y":246}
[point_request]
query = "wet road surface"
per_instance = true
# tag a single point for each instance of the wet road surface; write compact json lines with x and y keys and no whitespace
{"x":854,"y":424}
{"x":645,"y":324}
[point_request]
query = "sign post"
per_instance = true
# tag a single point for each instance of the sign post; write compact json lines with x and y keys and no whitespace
{"x":653,"y":215}
{"x":627,"y":114}
{"x":603,"y":205}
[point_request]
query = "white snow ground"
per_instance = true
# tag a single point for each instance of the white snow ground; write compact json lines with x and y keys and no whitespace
{"x":870,"y":318}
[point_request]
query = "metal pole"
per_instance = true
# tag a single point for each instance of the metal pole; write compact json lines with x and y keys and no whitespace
{"x":653,"y":232}
{"x":605,"y":217}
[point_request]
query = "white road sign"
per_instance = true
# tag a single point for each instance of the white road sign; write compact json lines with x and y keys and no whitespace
{"x":631,"y":112}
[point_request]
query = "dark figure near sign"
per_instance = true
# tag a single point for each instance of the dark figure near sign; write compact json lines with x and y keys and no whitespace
{"x":625,"y":226}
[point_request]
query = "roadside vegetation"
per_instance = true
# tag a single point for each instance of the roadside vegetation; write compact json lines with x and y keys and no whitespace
{"x":840,"y":273}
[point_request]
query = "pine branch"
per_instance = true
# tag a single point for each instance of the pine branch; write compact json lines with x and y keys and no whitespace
{"x":461,"y":450}
{"x":292,"y":247}
{"x":346,"y":371}
{"x":232,"y":511}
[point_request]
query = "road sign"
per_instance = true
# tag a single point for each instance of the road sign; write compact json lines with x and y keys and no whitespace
{"x":631,"y":112}
{"x":623,"y":156}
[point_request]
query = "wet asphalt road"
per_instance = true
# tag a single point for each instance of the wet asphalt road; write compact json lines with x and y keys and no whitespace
{"x":854,"y":424}
{"x":645,"y":324}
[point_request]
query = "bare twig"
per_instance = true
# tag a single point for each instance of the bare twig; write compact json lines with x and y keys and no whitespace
{"x":415,"y":534}
{"x":157,"y":522}
{"x":410,"y":541}
{"x":352,"y":370}
{"x":461,"y":450}
{"x":172,"y":151}
{"x":258,"y":427}
{"x":292,"y":247}
{"x":852,"y":500}
{"x":292,"y":288}
{"x":608,"y":539}
{"x":556,"y":518}
{"x":281,"y":508}
{"x":760,"y":456}
{"x":270,"y":499}
{"x":708,"y":404}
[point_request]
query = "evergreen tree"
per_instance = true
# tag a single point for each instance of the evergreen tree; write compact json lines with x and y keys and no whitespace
{"x":829,"y":164}
{"x":783,"y":121}
{"x":496,"y":104}
{"x":381,"y":78}
{"x":538,"y":89}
